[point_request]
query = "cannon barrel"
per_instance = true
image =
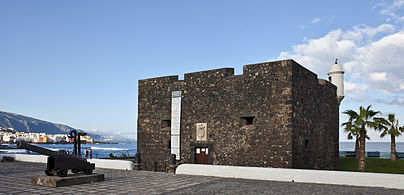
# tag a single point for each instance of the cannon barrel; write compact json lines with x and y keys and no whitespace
{"x":23,"y":145}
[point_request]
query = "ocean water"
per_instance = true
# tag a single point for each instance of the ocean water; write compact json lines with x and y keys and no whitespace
{"x":103,"y":150}
{"x":99,"y":150}
{"x":383,"y":147}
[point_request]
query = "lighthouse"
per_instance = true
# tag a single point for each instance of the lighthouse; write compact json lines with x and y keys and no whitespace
{"x":336,"y":77}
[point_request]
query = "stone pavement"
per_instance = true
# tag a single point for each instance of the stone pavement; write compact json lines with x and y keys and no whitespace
{"x":15,"y":178}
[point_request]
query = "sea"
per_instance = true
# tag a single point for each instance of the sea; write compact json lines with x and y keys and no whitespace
{"x":383,"y":147}
{"x":129,"y":148}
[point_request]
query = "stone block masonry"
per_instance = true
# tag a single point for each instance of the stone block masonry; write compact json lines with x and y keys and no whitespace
{"x":276,"y":114}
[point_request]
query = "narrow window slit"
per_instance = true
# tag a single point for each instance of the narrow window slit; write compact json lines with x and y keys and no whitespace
{"x":247,"y":121}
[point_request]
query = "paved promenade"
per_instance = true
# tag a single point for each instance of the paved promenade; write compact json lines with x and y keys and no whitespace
{"x":15,"y":178}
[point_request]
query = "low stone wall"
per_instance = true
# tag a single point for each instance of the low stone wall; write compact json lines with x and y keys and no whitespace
{"x":112,"y":164}
{"x":99,"y":163}
{"x":296,"y":175}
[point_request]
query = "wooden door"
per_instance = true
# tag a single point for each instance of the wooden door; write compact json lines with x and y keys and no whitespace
{"x":201,"y":155}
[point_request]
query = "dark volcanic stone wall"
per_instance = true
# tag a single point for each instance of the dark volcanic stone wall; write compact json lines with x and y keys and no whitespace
{"x":261,"y":92}
{"x":315,"y":121}
{"x":154,"y":106}
{"x":329,"y":154}
{"x":282,"y":97}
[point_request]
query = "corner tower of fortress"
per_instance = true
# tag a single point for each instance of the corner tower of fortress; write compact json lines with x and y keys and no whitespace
{"x":336,"y":77}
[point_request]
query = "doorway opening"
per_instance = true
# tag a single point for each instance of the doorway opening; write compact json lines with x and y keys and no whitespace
{"x":201,"y":155}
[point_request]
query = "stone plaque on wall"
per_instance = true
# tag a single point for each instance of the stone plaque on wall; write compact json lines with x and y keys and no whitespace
{"x":176,"y":123}
{"x":201,"y":132}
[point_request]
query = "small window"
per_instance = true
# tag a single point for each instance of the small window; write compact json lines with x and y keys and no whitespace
{"x":329,"y":79}
{"x":247,"y":120}
{"x":165,"y":123}
{"x":306,"y":143}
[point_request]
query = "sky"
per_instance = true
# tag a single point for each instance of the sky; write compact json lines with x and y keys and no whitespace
{"x":78,"y":62}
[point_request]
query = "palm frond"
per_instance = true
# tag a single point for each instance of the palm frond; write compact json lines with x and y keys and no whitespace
{"x":384,"y":133}
{"x":382,"y":123}
{"x":350,"y":136}
{"x":372,"y":124}
{"x":352,"y":114}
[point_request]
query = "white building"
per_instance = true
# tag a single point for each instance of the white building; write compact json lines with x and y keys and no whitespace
{"x":10,"y":138}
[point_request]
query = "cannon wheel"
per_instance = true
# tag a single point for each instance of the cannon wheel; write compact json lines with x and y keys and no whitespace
{"x":62,"y":173}
{"x":75,"y":170}
{"x":49,"y":172}
{"x":88,"y":171}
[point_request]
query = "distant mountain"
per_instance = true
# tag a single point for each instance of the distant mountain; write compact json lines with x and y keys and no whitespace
{"x":31,"y":125}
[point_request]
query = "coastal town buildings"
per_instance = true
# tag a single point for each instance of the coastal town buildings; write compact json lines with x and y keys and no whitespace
{"x":12,"y":137}
{"x":8,"y":138}
{"x":275,"y":114}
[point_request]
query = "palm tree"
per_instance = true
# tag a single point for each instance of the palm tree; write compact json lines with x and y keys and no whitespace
{"x":362,"y":120}
{"x":352,"y":129}
{"x":390,"y":126}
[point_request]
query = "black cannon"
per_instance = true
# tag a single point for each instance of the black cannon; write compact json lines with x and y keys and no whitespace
{"x":60,"y":162}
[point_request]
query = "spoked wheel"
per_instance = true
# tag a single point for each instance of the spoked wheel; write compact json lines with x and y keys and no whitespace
{"x":49,"y":172}
{"x":75,"y":170}
{"x":62,"y":173}
{"x":88,"y":171}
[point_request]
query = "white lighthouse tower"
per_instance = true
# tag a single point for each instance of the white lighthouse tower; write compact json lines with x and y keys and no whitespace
{"x":336,"y":77}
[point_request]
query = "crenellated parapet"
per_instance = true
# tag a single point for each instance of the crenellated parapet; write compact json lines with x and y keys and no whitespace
{"x":209,"y":74}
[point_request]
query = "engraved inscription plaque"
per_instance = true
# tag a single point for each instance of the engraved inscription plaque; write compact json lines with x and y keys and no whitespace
{"x":201,"y":132}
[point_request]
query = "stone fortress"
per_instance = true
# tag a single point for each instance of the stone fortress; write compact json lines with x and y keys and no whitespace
{"x":275,"y":114}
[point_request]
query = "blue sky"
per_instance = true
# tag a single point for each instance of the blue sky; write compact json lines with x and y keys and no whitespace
{"x":78,"y":62}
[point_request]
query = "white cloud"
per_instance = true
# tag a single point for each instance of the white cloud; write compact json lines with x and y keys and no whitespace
{"x":360,"y":32}
{"x":396,"y":100}
{"x":315,"y":20}
{"x":373,"y":58}
{"x":391,"y":11}
{"x":318,"y":54}
{"x":385,"y":55}
{"x":356,"y":91}
{"x":378,"y":76}
{"x":398,"y":3}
